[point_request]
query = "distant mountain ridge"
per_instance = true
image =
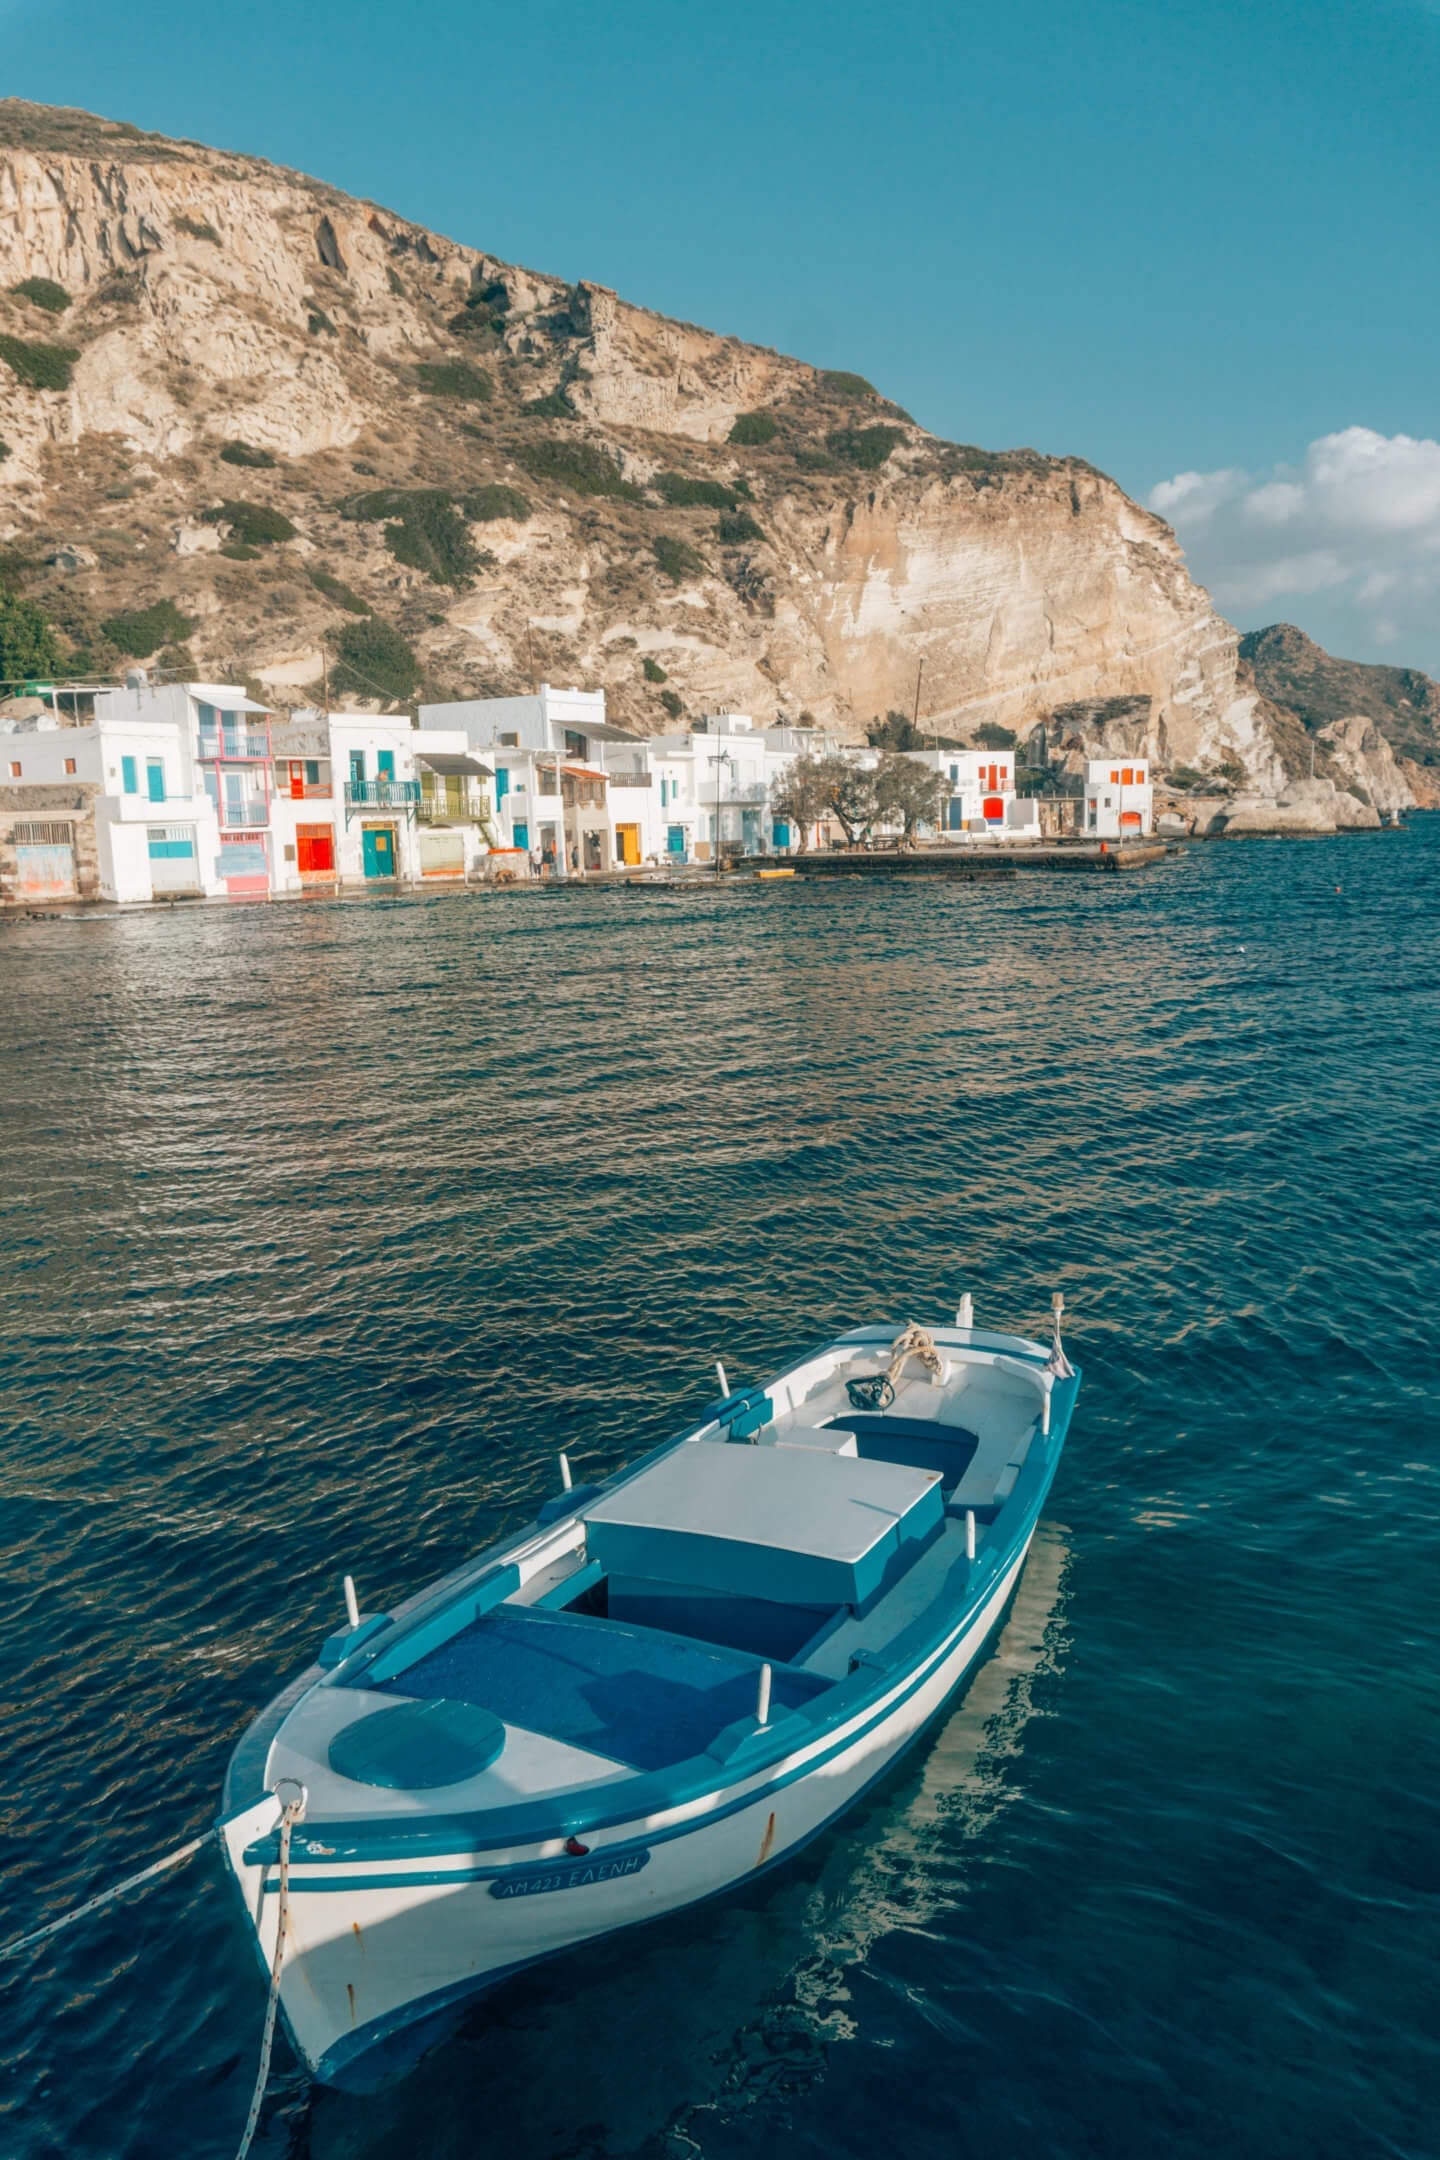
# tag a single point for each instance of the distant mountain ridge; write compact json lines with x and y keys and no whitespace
{"x":1296,"y":673}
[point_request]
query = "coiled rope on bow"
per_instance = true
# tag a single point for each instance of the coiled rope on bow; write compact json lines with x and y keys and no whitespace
{"x":916,"y":1342}
{"x":290,"y":1813}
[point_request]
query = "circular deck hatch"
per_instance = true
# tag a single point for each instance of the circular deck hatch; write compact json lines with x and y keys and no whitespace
{"x":417,"y":1745}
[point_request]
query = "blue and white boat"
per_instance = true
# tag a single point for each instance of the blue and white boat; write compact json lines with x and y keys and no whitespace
{"x":666,"y":1684}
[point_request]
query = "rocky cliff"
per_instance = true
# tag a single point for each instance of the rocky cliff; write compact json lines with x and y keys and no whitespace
{"x":256,"y":428}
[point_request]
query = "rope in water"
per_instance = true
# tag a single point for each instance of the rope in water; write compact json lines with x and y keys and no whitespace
{"x":108,"y":1897}
{"x":290,"y":1813}
{"x":289,"y":1816}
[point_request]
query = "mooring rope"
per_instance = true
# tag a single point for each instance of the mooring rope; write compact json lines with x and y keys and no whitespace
{"x":108,"y":1897}
{"x":290,"y":1814}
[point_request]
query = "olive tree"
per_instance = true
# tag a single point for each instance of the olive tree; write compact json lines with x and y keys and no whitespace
{"x":907,"y":794}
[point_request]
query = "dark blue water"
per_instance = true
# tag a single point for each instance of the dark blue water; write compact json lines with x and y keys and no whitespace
{"x":323,"y":1226}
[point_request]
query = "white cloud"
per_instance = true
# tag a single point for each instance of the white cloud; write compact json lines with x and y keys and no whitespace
{"x":1357,"y":520}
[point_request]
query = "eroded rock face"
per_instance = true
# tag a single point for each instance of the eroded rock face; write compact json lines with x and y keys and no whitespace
{"x":218,"y":299}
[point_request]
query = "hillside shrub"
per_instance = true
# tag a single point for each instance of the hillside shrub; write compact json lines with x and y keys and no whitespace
{"x":811,"y":458}
{"x":430,"y":535}
{"x":754,"y":428}
{"x":579,"y":466}
{"x":27,"y":641}
{"x":198,"y":229}
{"x":992,"y":736}
{"x":455,"y":379}
{"x":318,"y":323}
{"x":677,"y":559}
{"x":866,"y":447}
{"x":4,"y":449}
{"x":736,"y":527}
{"x":553,"y":406}
{"x":673,"y":703}
{"x":652,"y":670}
{"x":374,"y":661}
{"x":142,"y":631}
{"x":334,"y":589}
{"x":243,"y":453}
{"x":485,"y":504}
{"x":254,"y":523}
{"x":240,"y":551}
{"x":682,"y":491}
{"x":841,"y":383}
{"x":43,"y":292}
{"x":395,"y":282}
{"x":39,"y":367}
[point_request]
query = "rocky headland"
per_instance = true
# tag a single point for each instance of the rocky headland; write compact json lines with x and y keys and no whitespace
{"x":258,"y":429}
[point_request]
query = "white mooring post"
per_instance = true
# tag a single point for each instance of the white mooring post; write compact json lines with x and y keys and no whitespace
{"x":566,"y":1481}
{"x":352,"y":1603}
{"x":720,"y":1376}
{"x":965,"y":1317}
{"x":969,"y":1533}
{"x":762,"y":1699}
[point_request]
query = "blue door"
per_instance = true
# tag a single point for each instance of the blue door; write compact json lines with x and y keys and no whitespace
{"x":675,"y":840}
{"x":377,"y":851}
{"x":155,"y":778}
{"x":522,"y":836}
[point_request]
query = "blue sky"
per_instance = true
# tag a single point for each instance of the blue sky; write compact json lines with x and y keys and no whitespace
{"x":1191,"y":240}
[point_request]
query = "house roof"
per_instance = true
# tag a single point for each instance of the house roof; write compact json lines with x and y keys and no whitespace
{"x":583,"y":772}
{"x":224,"y":696}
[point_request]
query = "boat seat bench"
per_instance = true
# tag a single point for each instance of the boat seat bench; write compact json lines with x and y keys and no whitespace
{"x":629,"y":1693}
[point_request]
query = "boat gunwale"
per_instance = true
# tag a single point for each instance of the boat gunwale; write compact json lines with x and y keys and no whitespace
{"x":244,"y":1783}
{"x":587,"y":1809}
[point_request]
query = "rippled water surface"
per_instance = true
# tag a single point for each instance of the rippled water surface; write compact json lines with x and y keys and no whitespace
{"x":323,"y":1226}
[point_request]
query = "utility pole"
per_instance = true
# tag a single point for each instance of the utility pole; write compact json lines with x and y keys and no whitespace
{"x":530,"y":657}
{"x":325,"y":676}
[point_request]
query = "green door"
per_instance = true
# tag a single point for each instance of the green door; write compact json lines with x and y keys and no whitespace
{"x":377,"y":845}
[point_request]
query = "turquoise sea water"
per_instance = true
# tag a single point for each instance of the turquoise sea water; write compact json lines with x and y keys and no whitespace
{"x":323,"y":1227}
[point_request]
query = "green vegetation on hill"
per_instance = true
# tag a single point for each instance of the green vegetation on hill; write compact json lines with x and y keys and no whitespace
{"x":242,"y":453}
{"x":28,"y":649}
{"x":143,"y":631}
{"x":256,"y":524}
{"x":198,"y":229}
{"x":652,"y":670}
{"x":736,"y":527}
{"x":334,"y":589}
{"x":39,"y":367}
{"x":553,"y":406}
{"x":677,"y":559}
{"x":683,"y":491}
{"x":578,"y":466}
{"x":428,"y":533}
{"x":841,"y":383}
{"x":455,"y":379}
{"x":43,"y":292}
{"x":486,"y":504}
{"x":374,"y":661}
{"x":867,"y":448}
{"x":754,"y":428}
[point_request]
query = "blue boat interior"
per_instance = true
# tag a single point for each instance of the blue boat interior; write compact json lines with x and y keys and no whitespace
{"x":794,"y":1531}
{"x":639,"y":1697}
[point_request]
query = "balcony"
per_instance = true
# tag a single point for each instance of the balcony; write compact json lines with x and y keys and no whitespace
{"x":224,"y":743}
{"x":401,"y":795}
{"x":452,"y":807}
{"x":244,"y":816}
{"x":630,"y":779}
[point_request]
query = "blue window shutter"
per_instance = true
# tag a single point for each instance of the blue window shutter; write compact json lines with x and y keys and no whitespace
{"x":385,"y":764}
{"x":129,"y":776}
{"x":155,"y":779}
{"x":502,"y":783}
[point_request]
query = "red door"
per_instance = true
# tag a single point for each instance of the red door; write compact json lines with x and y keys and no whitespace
{"x":297,"y":780}
{"x":315,"y":850}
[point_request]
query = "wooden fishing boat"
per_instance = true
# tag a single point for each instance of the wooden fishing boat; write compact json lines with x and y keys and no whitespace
{"x":667,"y":1683}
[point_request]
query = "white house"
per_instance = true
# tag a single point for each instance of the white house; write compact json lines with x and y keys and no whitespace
{"x":979,"y":800}
{"x":572,"y":793}
{"x":362,"y":798}
{"x":1119,"y":797}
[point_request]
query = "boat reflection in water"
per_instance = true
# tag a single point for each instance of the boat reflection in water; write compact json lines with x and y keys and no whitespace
{"x":702,"y":2016}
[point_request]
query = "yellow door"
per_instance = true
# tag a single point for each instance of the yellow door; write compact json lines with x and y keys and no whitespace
{"x":629,"y":838}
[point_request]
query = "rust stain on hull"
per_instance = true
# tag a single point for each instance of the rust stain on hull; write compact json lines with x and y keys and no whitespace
{"x":768,"y":1840}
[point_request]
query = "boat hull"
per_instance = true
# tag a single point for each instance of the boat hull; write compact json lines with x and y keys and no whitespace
{"x":377,"y":1951}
